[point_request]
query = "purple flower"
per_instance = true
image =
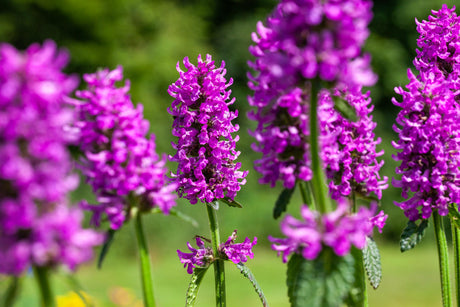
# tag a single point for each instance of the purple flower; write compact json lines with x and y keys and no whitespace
{"x":338,"y":230}
{"x":429,"y":146}
{"x":36,"y":225}
{"x":439,"y":45}
{"x":119,"y":162}
{"x":200,"y":257}
{"x":302,"y":41}
{"x":205,"y":147}
{"x":238,"y":252}
{"x":349,"y":147}
{"x":203,"y":256}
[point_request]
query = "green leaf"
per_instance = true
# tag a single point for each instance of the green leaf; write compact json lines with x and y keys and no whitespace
{"x":344,"y":108}
{"x":11,"y":293}
{"x":105,"y":248}
{"x":325,"y":281}
{"x":194,"y":285}
{"x":454,"y":215}
{"x":372,"y":264}
{"x":282,"y":202}
{"x":248,"y":274}
{"x":412,"y":235}
{"x":231,"y":202}
{"x":184,"y":217}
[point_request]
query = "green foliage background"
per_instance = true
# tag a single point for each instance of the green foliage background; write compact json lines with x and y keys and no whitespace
{"x":149,"y":37}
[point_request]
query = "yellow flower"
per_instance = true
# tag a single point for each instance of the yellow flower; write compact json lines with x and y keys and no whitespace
{"x":72,"y":299}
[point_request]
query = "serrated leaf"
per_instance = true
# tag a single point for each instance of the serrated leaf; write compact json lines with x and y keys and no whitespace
{"x":325,"y":281}
{"x":282,"y":202}
{"x":248,"y":274}
{"x":11,"y":293}
{"x":344,"y":108}
{"x":454,"y":216}
{"x":372,"y":264}
{"x":105,"y":248}
{"x":231,"y":202}
{"x":194,"y":285}
{"x":412,"y":235}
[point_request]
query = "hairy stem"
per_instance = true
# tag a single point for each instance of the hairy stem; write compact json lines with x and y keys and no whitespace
{"x":145,"y":264}
{"x":219,"y":270}
{"x":443,"y":256}
{"x":319,"y":179}
{"x":456,"y":243}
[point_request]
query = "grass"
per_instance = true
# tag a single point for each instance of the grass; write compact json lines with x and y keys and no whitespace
{"x":409,"y":279}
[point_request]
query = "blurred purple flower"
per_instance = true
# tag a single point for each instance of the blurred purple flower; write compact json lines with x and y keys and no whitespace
{"x":338,"y":230}
{"x":202,"y":122}
{"x":119,"y":162}
{"x":36,"y":225}
{"x":302,"y":41}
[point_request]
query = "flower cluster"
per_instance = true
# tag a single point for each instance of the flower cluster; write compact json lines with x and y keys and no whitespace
{"x":119,"y":162}
{"x":429,"y":146}
{"x":202,"y":122}
{"x":429,"y":121}
{"x":200,"y":257}
{"x":338,"y":230}
{"x":439,"y":45}
{"x":229,"y":250}
{"x":238,"y":252}
{"x":349,"y":147}
{"x":36,"y":225}
{"x":303,"y":40}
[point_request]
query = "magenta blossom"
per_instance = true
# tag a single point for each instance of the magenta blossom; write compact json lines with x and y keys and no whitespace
{"x":229,"y":250}
{"x":119,"y":161}
{"x":206,"y":153}
{"x":37,"y":227}
{"x":338,"y":230}
{"x":238,"y":252}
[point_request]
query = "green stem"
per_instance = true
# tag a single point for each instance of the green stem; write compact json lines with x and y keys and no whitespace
{"x":443,"y":255}
{"x":307,"y":194}
{"x":360,"y":274}
{"x":219,"y":270}
{"x":41,"y":275}
{"x":319,"y":179}
{"x":456,"y":242}
{"x":146,"y":267}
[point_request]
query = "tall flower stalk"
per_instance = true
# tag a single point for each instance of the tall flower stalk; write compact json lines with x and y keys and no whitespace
{"x":308,"y":59}
{"x":205,"y":152}
{"x":38,"y":228}
{"x":429,"y":140}
{"x":120,"y":162}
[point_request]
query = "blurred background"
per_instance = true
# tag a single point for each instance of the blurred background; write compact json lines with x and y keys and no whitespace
{"x":148,"y":38}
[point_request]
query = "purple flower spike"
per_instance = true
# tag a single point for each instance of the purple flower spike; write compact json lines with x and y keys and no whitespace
{"x":238,"y":252}
{"x":338,"y":230}
{"x":429,"y":121}
{"x":36,"y":226}
{"x":119,"y":161}
{"x":439,"y":45}
{"x":202,"y":122}
{"x":428,"y":145}
{"x":349,"y":147}
{"x":302,"y":41}
{"x":200,"y":257}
